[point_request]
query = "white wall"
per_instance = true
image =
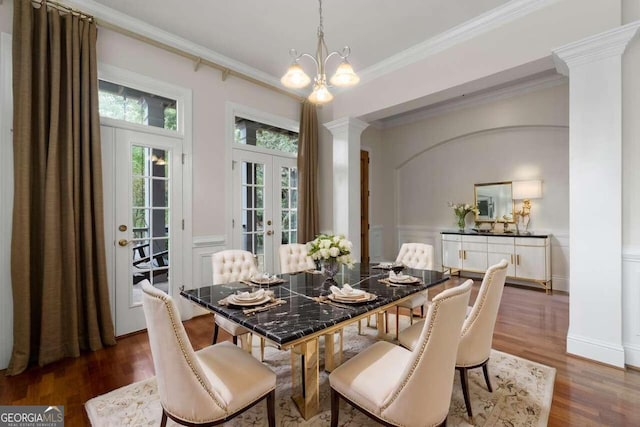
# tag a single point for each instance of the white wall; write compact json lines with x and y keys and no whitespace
{"x":433,"y":161}
{"x":631,"y":191}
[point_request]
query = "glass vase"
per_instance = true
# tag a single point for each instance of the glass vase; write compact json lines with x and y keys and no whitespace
{"x":461,"y":223}
{"x":330,"y":268}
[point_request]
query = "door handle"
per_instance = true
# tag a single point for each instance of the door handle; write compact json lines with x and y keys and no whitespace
{"x":124,"y":242}
{"x":269,"y":232}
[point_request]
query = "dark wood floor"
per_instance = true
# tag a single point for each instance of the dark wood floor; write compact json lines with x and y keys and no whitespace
{"x":530,"y":324}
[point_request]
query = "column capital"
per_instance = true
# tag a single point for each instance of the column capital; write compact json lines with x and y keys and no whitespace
{"x":594,"y":48}
{"x":346,"y":123}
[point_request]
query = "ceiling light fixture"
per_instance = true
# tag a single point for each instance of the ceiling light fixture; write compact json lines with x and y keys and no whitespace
{"x":296,"y":78}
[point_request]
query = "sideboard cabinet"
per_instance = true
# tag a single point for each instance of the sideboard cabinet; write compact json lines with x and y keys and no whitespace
{"x":529,"y":257}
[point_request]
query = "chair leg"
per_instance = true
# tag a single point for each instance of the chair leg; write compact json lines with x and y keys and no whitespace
{"x":261,"y":349}
{"x":163,"y":422}
{"x":335,"y":408}
{"x":397,"y":322}
{"x":422,"y":311}
{"x":411,"y":316}
{"x":235,"y":340}
{"x":359,"y":327}
{"x":485,"y":370}
{"x":386,"y":322}
{"x":215,"y":334}
{"x":271,"y":408}
{"x":464,"y":381}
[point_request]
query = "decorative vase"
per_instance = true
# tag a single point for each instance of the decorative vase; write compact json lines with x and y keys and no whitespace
{"x":461,"y":222}
{"x":330,"y":268}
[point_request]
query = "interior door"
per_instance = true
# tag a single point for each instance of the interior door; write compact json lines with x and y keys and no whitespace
{"x":147,"y":220}
{"x":265,"y":199}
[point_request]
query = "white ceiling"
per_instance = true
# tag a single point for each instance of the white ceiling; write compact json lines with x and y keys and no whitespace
{"x":260,"y":33}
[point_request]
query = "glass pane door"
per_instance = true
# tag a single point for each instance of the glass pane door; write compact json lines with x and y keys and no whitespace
{"x":148,"y":215}
{"x":265,"y":206}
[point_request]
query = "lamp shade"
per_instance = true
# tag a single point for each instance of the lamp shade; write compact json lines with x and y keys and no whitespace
{"x":295,"y":77}
{"x":526,"y":189}
{"x":345,"y":76}
{"x":320,"y":94}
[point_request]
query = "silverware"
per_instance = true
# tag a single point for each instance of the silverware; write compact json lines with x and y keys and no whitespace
{"x":269,"y":306}
{"x":329,"y":302}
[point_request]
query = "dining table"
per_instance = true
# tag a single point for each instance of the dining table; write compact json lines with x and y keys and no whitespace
{"x":301,"y":308}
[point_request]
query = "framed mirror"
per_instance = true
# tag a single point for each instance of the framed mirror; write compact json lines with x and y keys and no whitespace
{"x":493,"y":201}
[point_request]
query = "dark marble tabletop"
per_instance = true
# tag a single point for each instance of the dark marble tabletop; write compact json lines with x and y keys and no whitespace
{"x":301,"y":315}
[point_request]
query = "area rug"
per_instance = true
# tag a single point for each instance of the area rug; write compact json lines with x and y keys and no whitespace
{"x":522,"y":396}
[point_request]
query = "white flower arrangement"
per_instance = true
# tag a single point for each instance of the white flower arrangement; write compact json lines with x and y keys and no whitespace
{"x":329,"y":247}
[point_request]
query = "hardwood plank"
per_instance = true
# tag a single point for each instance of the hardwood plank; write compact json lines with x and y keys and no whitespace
{"x":530,"y":325}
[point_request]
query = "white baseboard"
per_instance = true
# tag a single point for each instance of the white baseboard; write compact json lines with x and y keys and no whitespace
{"x":560,"y":283}
{"x":599,"y":351}
{"x":632,"y":355}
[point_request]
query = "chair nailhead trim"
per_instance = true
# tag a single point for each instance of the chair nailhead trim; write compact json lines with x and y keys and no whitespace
{"x":189,"y":361}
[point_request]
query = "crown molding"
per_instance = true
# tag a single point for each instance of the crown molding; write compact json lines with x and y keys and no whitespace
{"x":481,"y":24}
{"x":472,"y":100}
{"x":594,"y":48}
{"x":111,"y":16}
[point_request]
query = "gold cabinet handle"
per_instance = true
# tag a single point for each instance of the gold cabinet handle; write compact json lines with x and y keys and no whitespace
{"x":464,"y":254}
{"x":511,"y":258}
{"x":459,"y":254}
{"x":518,"y":259}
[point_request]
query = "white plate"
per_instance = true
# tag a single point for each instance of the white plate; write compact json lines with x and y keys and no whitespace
{"x":368,"y":297}
{"x":264,"y":281}
{"x":404,"y":279}
{"x":231,"y":299}
{"x":249,"y":297}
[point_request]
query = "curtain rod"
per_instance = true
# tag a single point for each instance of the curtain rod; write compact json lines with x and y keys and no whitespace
{"x":64,"y":8}
{"x":196,"y":59}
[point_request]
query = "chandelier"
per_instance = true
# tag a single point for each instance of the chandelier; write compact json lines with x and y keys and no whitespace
{"x":296,"y":78}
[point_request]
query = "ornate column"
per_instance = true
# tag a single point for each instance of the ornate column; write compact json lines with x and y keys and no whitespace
{"x":346,"y":179}
{"x":594,"y":67}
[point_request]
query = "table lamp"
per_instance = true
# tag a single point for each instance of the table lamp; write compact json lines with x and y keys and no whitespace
{"x":525,"y":191}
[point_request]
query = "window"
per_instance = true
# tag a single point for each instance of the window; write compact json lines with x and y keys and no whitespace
{"x":262,"y":135}
{"x":135,"y":106}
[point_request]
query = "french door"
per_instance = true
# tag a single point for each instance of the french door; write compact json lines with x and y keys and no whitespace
{"x":265,"y":205}
{"x":146,"y":175}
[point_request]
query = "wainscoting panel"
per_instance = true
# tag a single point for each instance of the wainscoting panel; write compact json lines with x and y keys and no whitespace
{"x":203,"y":248}
{"x":631,"y":305}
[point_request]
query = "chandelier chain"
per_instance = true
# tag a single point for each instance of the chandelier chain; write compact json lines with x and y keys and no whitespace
{"x":321,"y":26}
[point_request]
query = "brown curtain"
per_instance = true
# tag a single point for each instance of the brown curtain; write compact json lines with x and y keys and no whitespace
{"x":58,"y":270}
{"x":308,"y":173}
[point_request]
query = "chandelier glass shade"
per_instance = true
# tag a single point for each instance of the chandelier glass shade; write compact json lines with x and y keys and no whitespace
{"x":296,"y":78}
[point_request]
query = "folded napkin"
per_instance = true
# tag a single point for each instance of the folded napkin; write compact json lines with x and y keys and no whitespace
{"x":347,"y":292}
{"x":250,"y":296}
{"x":400,"y":277}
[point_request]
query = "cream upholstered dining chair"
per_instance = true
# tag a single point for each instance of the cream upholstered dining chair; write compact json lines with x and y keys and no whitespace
{"x":207,"y":387}
{"x":404,"y":387}
{"x":477,"y":331}
{"x":232,"y":265}
{"x":294,"y":258}
{"x":420,"y":257}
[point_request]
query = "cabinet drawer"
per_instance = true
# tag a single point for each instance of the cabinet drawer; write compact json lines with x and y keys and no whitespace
{"x":474,"y":239}
{"x":501,"y":240}
{"x":451,"y":237}
{"x":476,"y":247}
{"x":500,"y":249}
{"x":531,"y":241}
